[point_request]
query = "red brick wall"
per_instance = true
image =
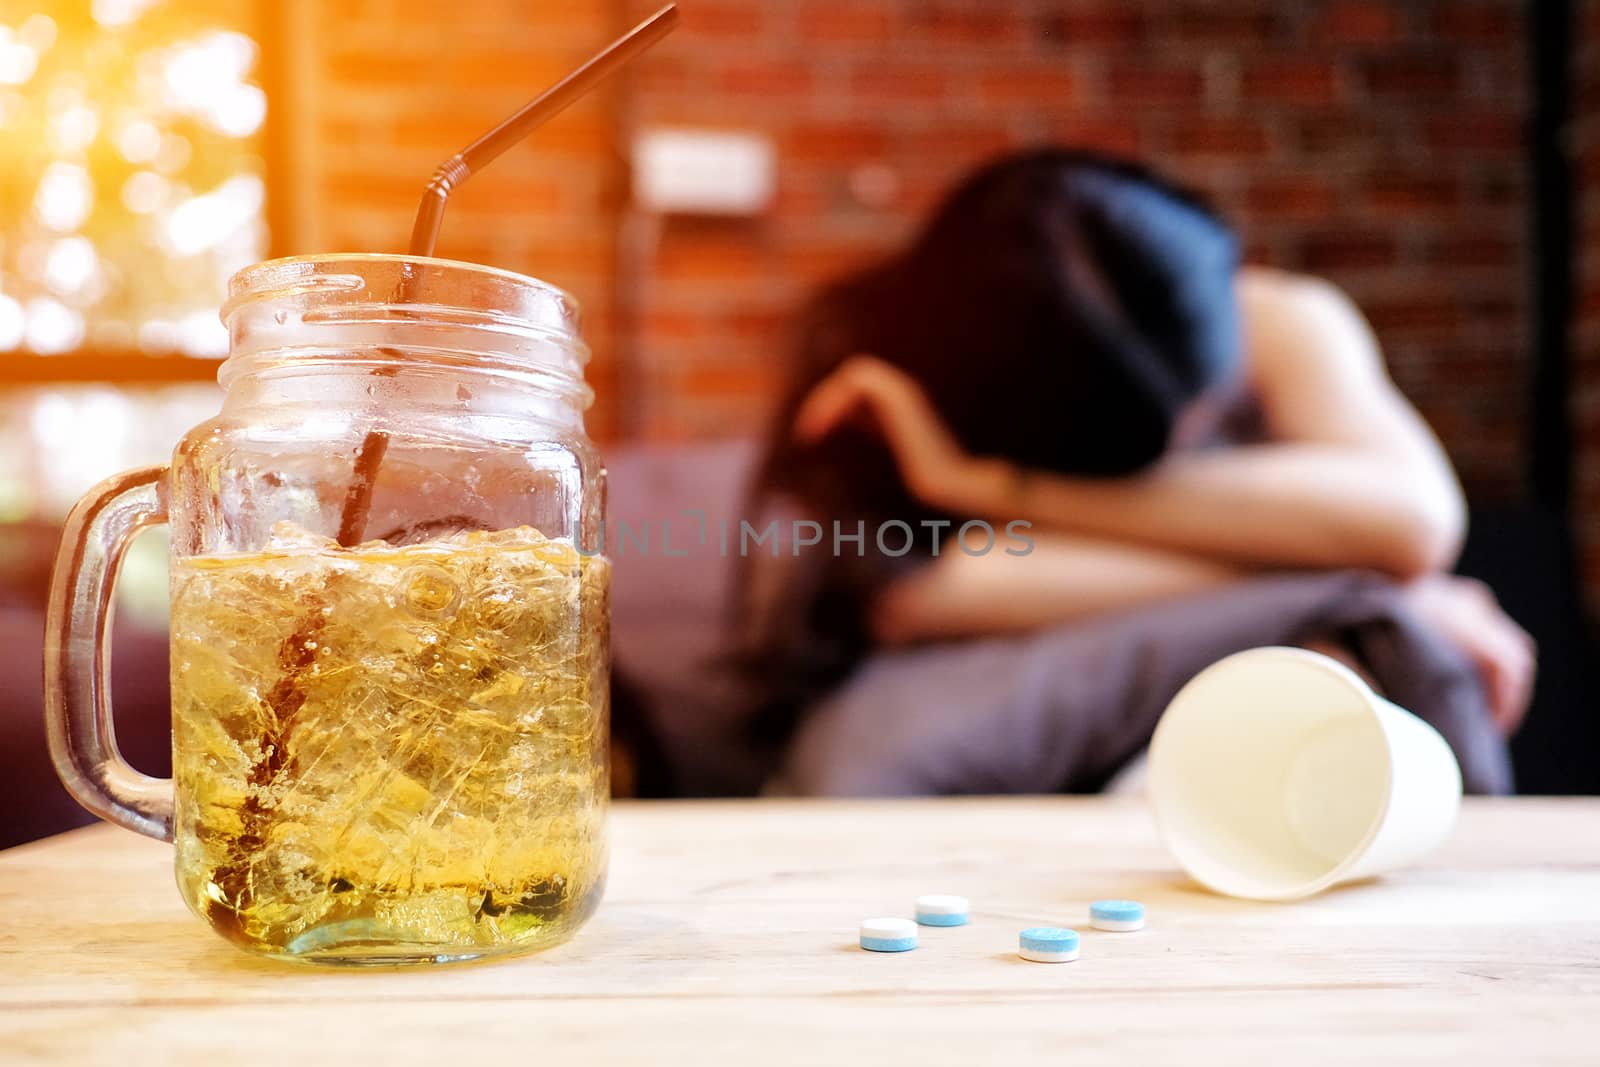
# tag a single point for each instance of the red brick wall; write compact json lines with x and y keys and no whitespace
{"x":1377,"y":142}
{"x":1586,"y":328}
{"x":391,"y":87}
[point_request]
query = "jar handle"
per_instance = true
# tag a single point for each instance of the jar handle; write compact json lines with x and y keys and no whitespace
{"x":77,"y":654}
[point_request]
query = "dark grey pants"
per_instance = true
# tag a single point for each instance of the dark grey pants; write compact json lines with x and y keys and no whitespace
{"x":1064,"y":709}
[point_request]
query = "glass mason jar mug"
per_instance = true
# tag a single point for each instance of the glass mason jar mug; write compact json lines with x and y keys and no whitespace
{"x":389,"y":621}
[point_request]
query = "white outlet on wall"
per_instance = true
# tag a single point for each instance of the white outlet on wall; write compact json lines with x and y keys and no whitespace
{"x":703,"y":172}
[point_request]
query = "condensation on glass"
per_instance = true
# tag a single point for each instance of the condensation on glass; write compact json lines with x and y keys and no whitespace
{"x":394,"y":748}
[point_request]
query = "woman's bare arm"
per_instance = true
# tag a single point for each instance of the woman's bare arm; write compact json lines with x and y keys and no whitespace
{"x":1357,"y":479}
{"x":1064,"y":578}
{"x":1354,"y":478}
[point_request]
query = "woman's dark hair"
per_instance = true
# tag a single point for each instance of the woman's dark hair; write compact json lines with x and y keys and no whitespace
{"x":1060,"y":309}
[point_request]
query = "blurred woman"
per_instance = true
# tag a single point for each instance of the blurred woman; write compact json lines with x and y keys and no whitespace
{"x":1070,"y":341}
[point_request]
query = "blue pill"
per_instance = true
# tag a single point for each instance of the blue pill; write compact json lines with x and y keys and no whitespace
{"x":888,"y":944}
{"x":1118,"y":916}
{"x":1048,"y":944}
{"x":1049,"y":938}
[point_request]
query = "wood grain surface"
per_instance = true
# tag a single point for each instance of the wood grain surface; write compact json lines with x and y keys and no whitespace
{"x":728,"y":936}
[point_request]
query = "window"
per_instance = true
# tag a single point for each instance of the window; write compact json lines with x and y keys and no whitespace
{"x":132,"y":184}
{"x":131,"y":187}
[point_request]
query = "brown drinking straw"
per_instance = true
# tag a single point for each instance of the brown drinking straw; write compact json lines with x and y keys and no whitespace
{"x":287,"y":697}
{"x":449,"y":175}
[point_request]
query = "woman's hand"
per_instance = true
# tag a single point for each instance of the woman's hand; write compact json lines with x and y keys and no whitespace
{"x":935,"y":468}
{"x":1466,"y":612}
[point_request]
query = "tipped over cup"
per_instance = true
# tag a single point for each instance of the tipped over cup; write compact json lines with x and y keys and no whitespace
{"x":1277,"y":773}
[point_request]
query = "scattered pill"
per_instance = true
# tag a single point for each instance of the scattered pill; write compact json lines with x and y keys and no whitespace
{"x":1116,"y":915}
{"x":942,"y":909}
{"x":888,"y":935}
{"x":1048,"y":944}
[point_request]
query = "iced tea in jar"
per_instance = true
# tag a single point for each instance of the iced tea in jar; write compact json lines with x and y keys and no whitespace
{"x":389,"y":621}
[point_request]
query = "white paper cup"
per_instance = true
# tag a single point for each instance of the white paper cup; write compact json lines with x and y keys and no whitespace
{"x":1277,"y":772}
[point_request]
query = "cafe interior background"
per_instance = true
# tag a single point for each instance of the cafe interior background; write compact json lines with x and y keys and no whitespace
{"x":1440,"y":161}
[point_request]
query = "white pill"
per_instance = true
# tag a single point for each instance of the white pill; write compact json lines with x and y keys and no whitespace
{"x":942,"y":909}
{"x":888,"y":935}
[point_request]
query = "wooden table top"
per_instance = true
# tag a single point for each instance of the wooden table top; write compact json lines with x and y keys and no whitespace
{"x":728,"y":936}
